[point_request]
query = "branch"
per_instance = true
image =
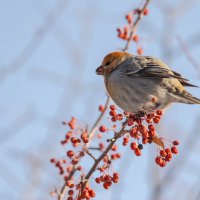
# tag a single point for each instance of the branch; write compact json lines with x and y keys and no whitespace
{"x":134,"y":26}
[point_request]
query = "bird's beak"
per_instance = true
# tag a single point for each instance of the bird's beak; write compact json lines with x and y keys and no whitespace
{"x":100,"y":70}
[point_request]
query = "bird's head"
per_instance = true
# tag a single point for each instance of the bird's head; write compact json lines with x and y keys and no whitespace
{"x":111,"y":61}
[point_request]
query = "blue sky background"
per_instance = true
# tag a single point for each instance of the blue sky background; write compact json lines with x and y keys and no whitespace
{"x":49,"y":51}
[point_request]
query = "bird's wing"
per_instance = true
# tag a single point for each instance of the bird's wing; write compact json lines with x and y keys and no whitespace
{"x":149,"y":67}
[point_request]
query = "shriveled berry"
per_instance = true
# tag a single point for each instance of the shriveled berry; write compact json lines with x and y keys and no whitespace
{"x":140,"y":146}
{"x":175,"y":142}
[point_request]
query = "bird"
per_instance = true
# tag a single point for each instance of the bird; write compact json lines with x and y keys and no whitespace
{"x":143,"y":83}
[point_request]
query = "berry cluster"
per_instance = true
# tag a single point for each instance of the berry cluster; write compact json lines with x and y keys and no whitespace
{"x":141,"y":131}
{"x":136,"y":130}
{"x":165,"y":155}
{"x":107,"y":180}
{"x":125,"y":32}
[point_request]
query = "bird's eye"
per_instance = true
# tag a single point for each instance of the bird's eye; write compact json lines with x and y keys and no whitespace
{"x":108,"y":63}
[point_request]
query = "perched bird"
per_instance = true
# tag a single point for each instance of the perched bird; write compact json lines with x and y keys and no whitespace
{"x":138,"y":83}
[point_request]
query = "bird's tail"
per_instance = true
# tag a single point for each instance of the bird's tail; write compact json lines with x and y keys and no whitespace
{"x":189,"y":99}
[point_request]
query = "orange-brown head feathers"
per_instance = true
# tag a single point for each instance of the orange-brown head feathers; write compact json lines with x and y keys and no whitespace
{"x":111,"y":61}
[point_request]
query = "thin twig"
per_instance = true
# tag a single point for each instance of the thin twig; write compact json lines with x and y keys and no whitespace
{"x":94,"y":148}
{"x":90,"y":154}
{"x":135,"y":24}
{"x":95,"y":126}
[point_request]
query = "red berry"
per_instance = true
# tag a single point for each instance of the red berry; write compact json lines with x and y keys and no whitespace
{"x":73,"y":140}
{"x":119,"y":117}
{"x":101,"y":146}
{"x":114,"y":148}
{"x":159,"y":160}
{"x":115,"y":178}
{"x":168,"y":151}
{"x":137,"y":152}
{"x":133,"y":145}
{"x":129,"y":18}
{"x":97,"y":180}
{"x":133,"y":132}
{"x":159,"y":112}
{"x":70,"y":192}
{"x":156,"y":119}
{"x":151,"y":127}
{"x":68,"y":135}
{"x":153,"y":99}
{"x":74,"y":161}
{"x":102,"y":128}
{"x":70,"y":153}
{"x":144,"y":140}
{"x":53,"y":160}
{"x":101,"y":108}
{"x":174,"y":150}
{"x":175,"y":142}
{"x":152,"y":134}
{"x":113,"y":157}
{"x":114,"y":119}
{"x":163,"y":163}
{"x":79,"y":168}
{"x":112,"y":107}
{"x":143,"y":131}
{"x":135,"y":38}
{"x":92,"y":193}
{"x":146,"y":11}
{"x":168,"y":157}
{"x":118,"y":155}
{"x":139,"y":51}
{"x":106,"y":186}
{"x":116,"y":175}
{"x":163,"y":153}
{"x":112,"y":113}
{"x":126,"y":140}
